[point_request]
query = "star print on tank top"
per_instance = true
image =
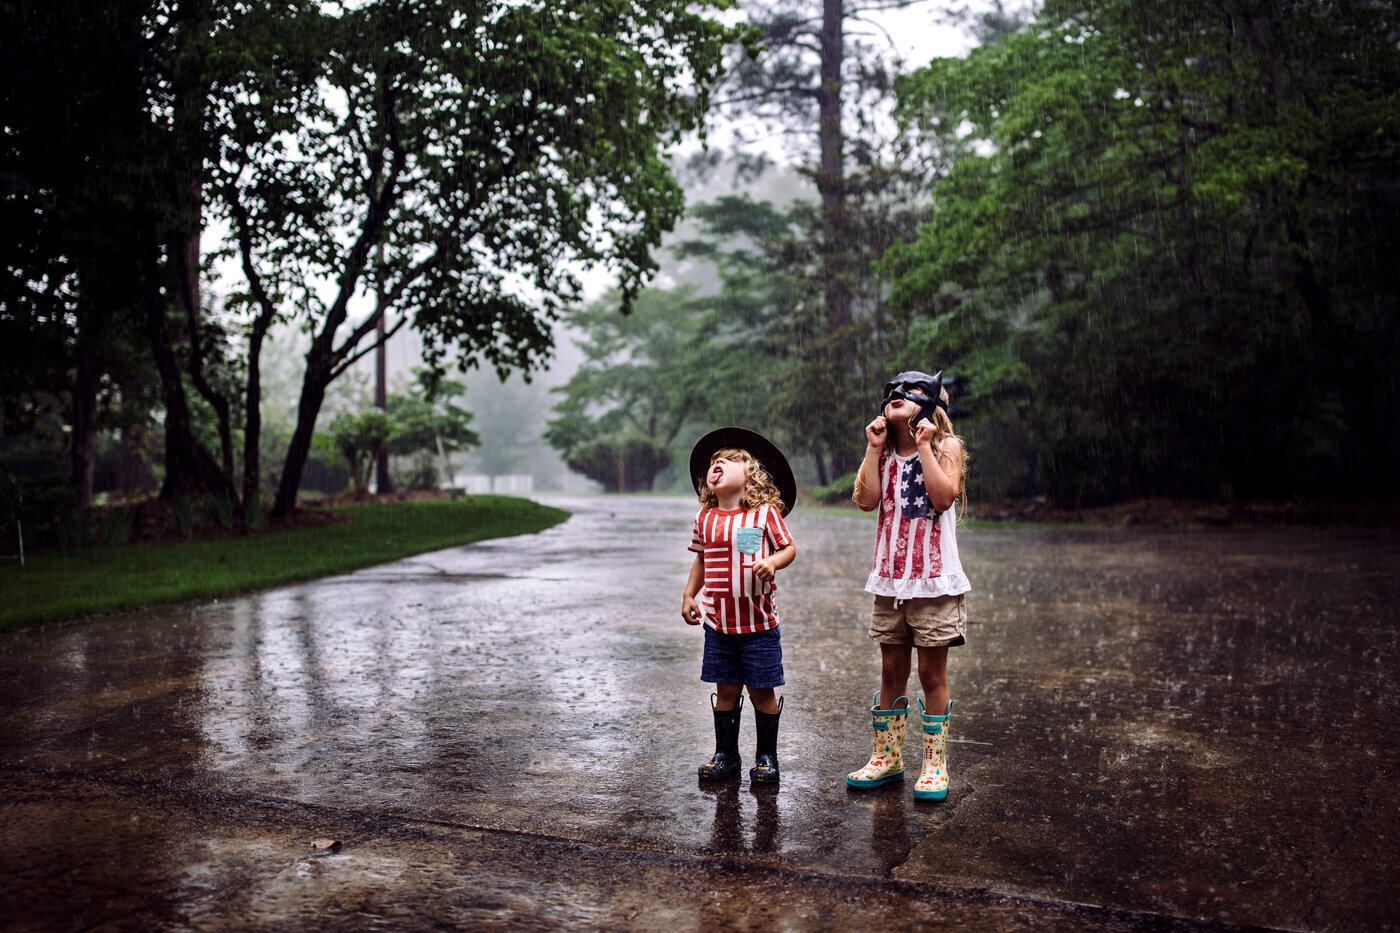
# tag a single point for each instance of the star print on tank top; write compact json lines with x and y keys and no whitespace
{"x":913,"y":494}
{"x":916,"y":545}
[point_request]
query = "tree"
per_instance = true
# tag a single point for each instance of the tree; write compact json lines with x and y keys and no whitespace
{"x":626,"y":465}
{"x":643,"y":380}
{"x":820,"y":377}
{"x":816,"y":64}
{"x":756,"y":352}
{"x":679,"y":363}
{"x":110,"y":126}
{"x":1166,"y":243}
{"x":489,"y":150}
{"x":72,"y":270}
{"x":427,"y":421}
{"x":358,"y":436}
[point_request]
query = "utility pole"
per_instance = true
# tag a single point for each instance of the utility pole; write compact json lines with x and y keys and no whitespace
{"x":384,"y":482}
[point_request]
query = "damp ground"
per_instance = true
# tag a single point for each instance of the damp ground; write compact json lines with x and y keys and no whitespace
{"x":1151,"y":730}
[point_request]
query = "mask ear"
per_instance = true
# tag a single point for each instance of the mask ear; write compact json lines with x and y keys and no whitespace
{"x":937,"y":393}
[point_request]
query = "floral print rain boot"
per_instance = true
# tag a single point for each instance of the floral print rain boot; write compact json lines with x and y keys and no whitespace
{"x":765,"y":769}
{"x":933,"y":780}
{"x":725,"y":763}
{"x":887,"y":757}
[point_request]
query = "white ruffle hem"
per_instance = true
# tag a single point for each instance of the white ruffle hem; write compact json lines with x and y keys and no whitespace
{"x":950,"y":584}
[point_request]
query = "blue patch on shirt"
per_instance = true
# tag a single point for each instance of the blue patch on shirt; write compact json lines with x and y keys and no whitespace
{"x":913,"y":494}
{"x":748,"y":540}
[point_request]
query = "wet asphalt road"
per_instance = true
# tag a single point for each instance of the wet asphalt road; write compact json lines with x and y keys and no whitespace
{"x":1151,"y":730}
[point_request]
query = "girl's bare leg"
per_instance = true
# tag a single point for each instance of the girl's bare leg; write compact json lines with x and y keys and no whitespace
{"x":894,"y":673}
{"x":933,"y":676}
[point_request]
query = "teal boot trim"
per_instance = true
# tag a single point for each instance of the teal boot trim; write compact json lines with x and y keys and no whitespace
{"x":937,"y":728}
{"x":887,"y":755}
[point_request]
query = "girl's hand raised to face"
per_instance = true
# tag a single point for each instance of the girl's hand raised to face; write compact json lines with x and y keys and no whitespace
{"x":923,"y":432}
{"x":876,"y":432}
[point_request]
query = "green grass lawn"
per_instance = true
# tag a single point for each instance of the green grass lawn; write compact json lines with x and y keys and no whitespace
{"x":90,"y":581}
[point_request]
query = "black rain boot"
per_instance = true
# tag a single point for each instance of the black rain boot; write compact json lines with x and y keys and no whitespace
{"x":726,"y":761}
{"x":765,"y":769}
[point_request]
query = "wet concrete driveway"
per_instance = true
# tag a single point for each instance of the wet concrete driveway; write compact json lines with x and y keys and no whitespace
{"x":1151,"y":730}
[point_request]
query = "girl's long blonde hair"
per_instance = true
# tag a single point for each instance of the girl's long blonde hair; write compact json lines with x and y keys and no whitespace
{"x":942,"y":430}
{"x":759,"y":488}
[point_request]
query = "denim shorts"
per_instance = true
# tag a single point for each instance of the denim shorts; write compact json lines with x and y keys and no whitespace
{"x":754,"y":659}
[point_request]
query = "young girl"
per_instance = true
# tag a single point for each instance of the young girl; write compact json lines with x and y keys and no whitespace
{"x":913,"y":472}
{"x":740,"y":543}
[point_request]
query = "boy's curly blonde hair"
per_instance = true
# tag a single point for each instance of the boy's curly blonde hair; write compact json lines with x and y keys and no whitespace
{"x":759,"y":488}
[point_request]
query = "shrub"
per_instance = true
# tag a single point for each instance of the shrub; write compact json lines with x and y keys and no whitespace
{"x":639,"y":459}
{"x":837,"y":492}
{"x":50,"y":513}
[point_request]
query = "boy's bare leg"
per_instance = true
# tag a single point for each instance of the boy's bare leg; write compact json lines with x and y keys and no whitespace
{"x":894,"y":673}
{"x":764,"y":699}
{"x":933,"y":676}
{"x":727,"y":696}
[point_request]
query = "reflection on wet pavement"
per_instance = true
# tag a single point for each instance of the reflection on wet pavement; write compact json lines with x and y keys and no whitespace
{"x":1189,"y":724}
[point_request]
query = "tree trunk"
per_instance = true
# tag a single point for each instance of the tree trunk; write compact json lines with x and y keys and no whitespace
{"x":384,"y":482}
{"x":189,"y":469}
{"x":83,"y":444}
{"x":184,"y":253}
{"x":313,"y":393}
{"x":252,"y":425}
{"x":831,"y":164}
{"x":831,"y":185}
{"x":446,"y":463}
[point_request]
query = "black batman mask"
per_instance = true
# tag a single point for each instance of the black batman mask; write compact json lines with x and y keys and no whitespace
{"x":920,"y":388}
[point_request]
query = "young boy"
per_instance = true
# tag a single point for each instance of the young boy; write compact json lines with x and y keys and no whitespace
{"x":740,"y":542}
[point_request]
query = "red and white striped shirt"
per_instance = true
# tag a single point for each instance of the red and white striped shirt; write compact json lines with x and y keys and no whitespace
{"x":733,"y":600}
{"x":916,"y":546}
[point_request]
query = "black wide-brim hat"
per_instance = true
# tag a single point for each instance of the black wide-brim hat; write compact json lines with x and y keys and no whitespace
{"x":761,"y":448}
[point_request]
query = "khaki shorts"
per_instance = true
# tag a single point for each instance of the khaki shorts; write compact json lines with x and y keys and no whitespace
{"x":925,"y":622}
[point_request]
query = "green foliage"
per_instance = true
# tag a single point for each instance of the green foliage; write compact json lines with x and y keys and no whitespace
{"x":1167,"y":245}
{"x":50,"y":514}
{"x":837,"y":492}
{"x":223,"y":510}
{"x":629,"y":465}
{"x":357,"y":437}
{"x":678,"y":361}
{"x":429,"y":427}
{"x":458,"y":161}
{"x":830,"y":357}
{"x":182,"y":512}
{"x":760,"y":352}
{"x":681,"y":362}
{"x":428,"y":419}
{"x":488,"y":152}
{"x":115,"y":524}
